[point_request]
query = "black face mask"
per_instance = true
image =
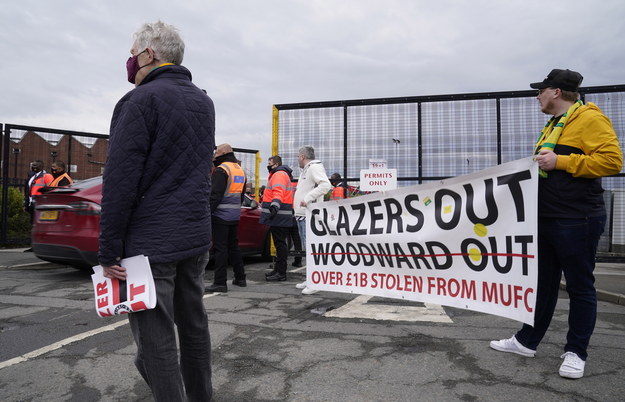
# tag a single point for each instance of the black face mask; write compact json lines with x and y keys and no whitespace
{"x":269,"y":168}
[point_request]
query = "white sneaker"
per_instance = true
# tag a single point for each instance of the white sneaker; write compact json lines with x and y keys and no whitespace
{"x":512,"y":346}
{"x":572,"y":366}
{"x":301,"y":285}
{"x":309,"y":291}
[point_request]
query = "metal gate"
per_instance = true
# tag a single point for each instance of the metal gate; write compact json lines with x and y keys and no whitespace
{"x":84,"y":155}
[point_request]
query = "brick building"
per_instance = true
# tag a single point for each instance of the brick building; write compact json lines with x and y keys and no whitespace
{"x":84,"y":156}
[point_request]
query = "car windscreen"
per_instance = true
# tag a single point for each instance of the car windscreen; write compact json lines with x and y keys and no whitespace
{"x":87,"y":183}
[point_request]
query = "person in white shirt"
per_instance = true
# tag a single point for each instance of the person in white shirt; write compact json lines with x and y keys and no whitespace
{"x":312,"y":185}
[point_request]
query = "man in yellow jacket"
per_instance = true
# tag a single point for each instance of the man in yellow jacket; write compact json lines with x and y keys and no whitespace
{"x":576,"y":148}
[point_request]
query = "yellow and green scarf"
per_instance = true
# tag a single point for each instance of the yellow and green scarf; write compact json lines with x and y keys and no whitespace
{"x":550,"y":134}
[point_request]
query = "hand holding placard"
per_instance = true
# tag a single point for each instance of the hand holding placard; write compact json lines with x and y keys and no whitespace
{"x":136,"y":293}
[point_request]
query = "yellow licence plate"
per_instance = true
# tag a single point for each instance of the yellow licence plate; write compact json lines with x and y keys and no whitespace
{"x":49,"y":215}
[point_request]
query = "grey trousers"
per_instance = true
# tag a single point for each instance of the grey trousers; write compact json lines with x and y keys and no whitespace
{"x":179,"y":291}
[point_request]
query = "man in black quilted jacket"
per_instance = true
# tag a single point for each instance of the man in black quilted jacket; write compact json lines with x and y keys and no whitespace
{"x":155,"y":202}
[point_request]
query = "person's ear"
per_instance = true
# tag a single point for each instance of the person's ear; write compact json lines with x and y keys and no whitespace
{"x":151,"y":54}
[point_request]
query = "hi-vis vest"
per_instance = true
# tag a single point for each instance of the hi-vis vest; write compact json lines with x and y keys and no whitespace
{"x":40,"y":180}
{"x":55,"y":182}
{"x":338,"y":193}
{"x":229,"y":209}
{"x":279,"y":192}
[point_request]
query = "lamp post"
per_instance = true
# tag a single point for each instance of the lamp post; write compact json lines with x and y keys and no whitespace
{"x":397,"y":142}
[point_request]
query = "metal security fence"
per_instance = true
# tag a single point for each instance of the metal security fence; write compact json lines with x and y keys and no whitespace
{"x":84,"y":155}
{"x":434,"y":137}
{"x":250,"y":163}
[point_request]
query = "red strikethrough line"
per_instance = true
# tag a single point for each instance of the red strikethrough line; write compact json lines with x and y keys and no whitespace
{"x":432,"y":255}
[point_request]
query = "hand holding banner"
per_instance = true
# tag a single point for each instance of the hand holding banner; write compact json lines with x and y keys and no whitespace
{"x":468,"y":242}
{"x":136,"y":293}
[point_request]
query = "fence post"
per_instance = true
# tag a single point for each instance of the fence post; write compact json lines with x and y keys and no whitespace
{"x":345,"y":145}
{"x":6,"y":144}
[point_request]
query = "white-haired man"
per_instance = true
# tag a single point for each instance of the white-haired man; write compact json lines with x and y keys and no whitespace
{"x":312,"y":185}
{"x":155,"y":202}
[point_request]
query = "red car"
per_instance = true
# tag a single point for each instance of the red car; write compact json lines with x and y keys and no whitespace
{"x":67,"y":225}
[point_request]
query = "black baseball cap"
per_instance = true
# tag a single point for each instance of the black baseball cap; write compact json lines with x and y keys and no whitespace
{"x":566,"y":80}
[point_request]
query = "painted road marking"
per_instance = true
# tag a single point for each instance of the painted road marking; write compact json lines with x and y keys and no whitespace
{"x":60,"y":344}
{"x":57,"y":345}
{"x":360,"y":308}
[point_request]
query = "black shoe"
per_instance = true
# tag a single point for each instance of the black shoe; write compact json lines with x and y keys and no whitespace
{"x":217,"y":288}
{"x":297,"y":264}
{"x":272,"y":273}
{"x":277,"y":277}
{"x":239,"y":282}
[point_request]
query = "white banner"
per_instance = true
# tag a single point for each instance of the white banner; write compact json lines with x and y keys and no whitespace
{"x":136,"y":293}
{"x":468,"y":242}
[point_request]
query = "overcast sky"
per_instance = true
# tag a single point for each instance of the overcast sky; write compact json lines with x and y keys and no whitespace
{"x":63,"y":62}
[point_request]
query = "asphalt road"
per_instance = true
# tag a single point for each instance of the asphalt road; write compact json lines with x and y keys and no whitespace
{"x":270,"y":343}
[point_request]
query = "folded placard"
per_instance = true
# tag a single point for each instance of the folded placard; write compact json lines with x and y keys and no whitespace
{"x":136,"y":293}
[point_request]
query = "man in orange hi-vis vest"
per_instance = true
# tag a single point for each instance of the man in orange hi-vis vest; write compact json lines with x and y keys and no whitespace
{"x":61,"y":178}
{"x":228,"y":187}
{"x":34,"y":185}
{"x":277,"y":212}
{"x":338,"y":192}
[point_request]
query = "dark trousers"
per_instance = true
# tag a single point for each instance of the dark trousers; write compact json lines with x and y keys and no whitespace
{"x":179,"y":291}
{"x":226,"y":249}
{"x":31,"y":212}
{"x":569,"y":246}
{"x":279,"y":235}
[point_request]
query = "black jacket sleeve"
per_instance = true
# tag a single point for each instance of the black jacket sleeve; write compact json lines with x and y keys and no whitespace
{"x":219,"y":181}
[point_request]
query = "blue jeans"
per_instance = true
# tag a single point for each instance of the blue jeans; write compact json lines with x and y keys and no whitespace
{"x":301,"y":226}
{"x":569,"y":246}
{"x":179,"y":292}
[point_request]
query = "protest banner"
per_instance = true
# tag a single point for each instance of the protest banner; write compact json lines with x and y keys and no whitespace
{"x":468,"y":242}
{"x":136,"y":293}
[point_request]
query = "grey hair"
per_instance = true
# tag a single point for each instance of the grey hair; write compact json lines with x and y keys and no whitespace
{"x":163,"y":39}
{"x":308,"y":152}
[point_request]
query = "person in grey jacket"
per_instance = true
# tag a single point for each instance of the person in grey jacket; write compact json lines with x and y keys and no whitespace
{"x":155,"y":202}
